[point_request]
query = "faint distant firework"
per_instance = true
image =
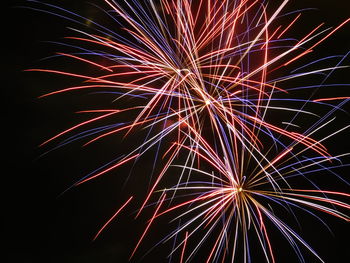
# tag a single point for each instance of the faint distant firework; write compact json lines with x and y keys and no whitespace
{"x":205,"y":83}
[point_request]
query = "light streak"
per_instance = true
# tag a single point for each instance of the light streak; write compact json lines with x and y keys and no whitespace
{"x":111,"y":219}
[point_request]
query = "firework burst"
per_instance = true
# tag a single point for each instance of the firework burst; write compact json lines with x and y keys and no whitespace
{"x":233,"y":208}
{"x":205,"y":79}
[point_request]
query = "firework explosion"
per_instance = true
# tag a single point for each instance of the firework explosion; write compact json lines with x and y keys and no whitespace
{"x":205,"y":85}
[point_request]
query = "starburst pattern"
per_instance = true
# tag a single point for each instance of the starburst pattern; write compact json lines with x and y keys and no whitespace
{"x":206,"y":79}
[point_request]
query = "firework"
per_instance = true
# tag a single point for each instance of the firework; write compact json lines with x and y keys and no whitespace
{"x":203,"y":79}
{"x":233,"y":208}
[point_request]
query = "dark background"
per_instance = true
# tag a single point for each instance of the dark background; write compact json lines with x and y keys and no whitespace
{"x":41,"y":225}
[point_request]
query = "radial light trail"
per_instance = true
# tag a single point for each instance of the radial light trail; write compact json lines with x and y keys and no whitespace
{"x":205,"y":83}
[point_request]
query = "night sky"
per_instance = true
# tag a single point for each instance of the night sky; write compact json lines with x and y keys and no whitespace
{"x":43,"y":226}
